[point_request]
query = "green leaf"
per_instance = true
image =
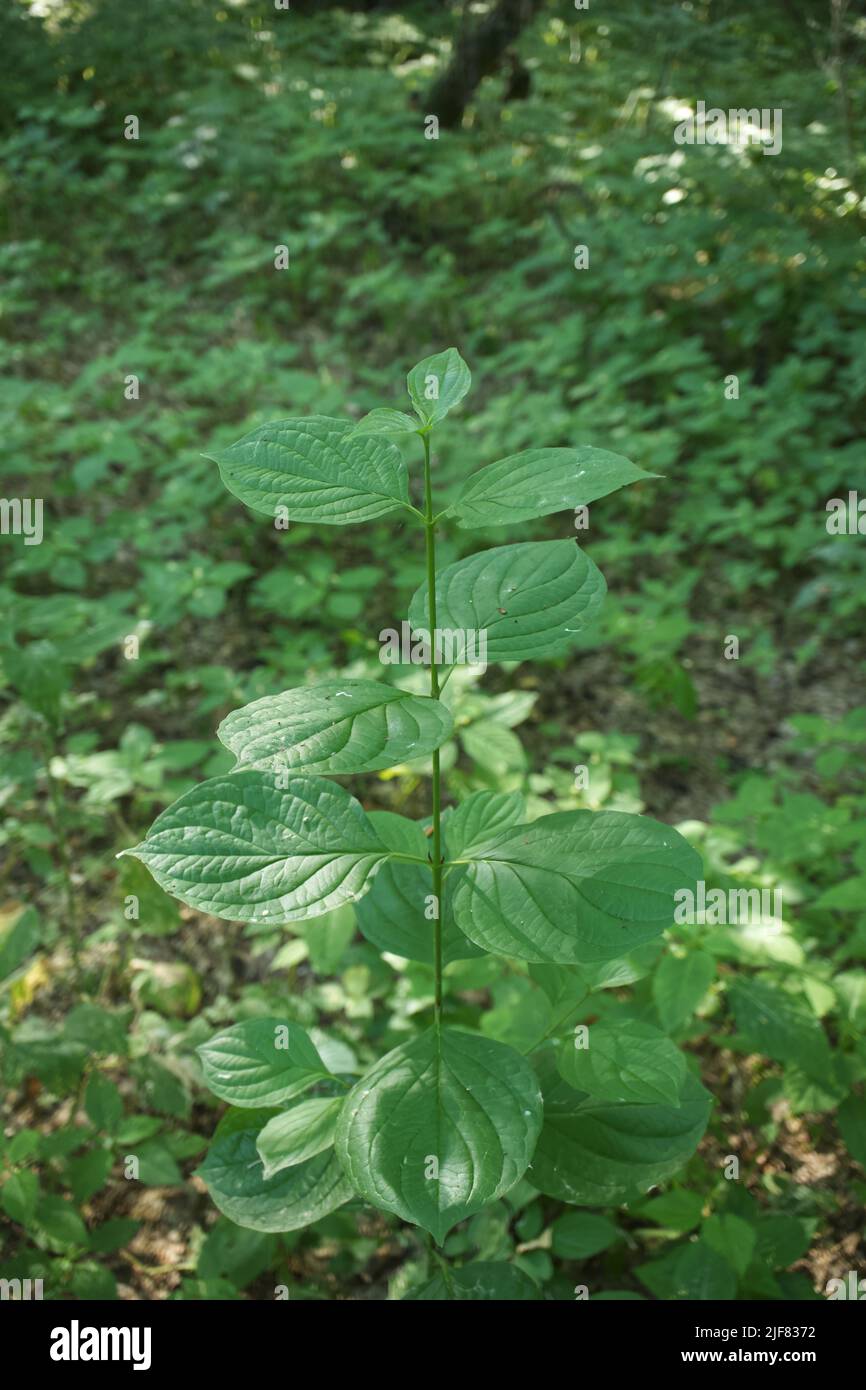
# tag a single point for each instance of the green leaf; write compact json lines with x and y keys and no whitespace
{"x":577,"y":1235}
{"x":317,"y":470}
{"x":495,"y":749}
{"x":594,"y":1153}
{"x":101,"y":1030}
{"x":336,"y":727}
{"x":782,"y":1239}
{"x":529,"y":600}
{"x":300,"y":1133}
{"x":677,"y":1210}
{"x":264,"y":1061}
{"x":679,"y":985}
{"x":439,"y":1127}
{"x":241,"y":1255}
{"x":481,"y":816}
{"x":395,"y":915}
{"x":292,"y":1199}
{"x":59,"y":1221}
{"x":19,"y":1196}
{"x":626,"y":1060}
{"x":20,"y":934}
{"x":328,"y":937}
{"x":480,"y":1281}
{"x":574,"y":886}
{"x":539,"y":481}
{"x":848,"y":896}
{"x":385,"y":421}
{"x":88,"y":1173}
{"x":693,"y":1272}
{"x":157,"y":1166}
{"x":780,"y":1025}
{"x":112,"y":1235}
{"x":732,"y":1238}
{"x":242,"y":848}
{"x":437,"y":384}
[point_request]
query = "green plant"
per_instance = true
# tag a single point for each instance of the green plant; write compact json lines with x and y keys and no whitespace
{"x":450,"y":1120}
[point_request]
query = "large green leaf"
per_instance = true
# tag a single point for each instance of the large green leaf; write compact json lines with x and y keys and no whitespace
{"x":263,"y":1061}
{"x":316,"y":468}
{"x":242,"y":848}
{"x":447,"y":1102}
{"x":395,"y":915}
{"x":301,"y":1132}
{"x":437,"y":384}
{"x":292,"y":1199}
{"x":625,"y":1060}
{"x":336,"y":727}
{"x":530,"y":600}
{"x":594,"y":1153}
{"x":577,"y":886}
{"x":538,"y":481}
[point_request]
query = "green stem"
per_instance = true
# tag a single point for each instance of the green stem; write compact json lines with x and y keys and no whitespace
{"x":436,"y":863}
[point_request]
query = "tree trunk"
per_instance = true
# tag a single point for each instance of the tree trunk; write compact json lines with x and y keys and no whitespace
{"x":478,"y":52}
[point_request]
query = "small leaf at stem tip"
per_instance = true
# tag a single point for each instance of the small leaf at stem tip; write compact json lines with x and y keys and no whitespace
{"x":437,"y":384}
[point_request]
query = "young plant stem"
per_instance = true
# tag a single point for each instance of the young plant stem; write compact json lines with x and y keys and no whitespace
{"x":436,"y":860}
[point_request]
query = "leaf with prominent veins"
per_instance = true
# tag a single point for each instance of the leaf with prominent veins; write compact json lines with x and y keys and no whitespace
{"x":539,"y":481}
{"x":316,"y":468}
{"x":625,"y":1060}
{"x":299,"y":1133}
{"x":262,"y":1061}
{"x":599,"y":1153}
{"x":336,"y":727}
{"x":576,"y":886}
{"x":439,"y":1127}
{"x":529,"y":600}
{"x":242,"y":848}
{"x":291,"y":1199}
{"x":437,"y":384}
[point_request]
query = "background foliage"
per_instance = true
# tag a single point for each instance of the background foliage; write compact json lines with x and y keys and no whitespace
{"x":155,"y":257}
